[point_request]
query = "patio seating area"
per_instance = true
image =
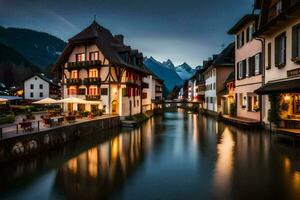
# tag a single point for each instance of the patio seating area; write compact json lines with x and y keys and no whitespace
{"x":23,"y":126}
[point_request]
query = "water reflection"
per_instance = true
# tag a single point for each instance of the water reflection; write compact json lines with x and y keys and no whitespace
{"x":99,"y":171}
{"x":173,"y":156}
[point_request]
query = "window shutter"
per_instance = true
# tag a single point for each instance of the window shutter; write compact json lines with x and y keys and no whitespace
{"x":269,"y":55}
{"x":260,"y":63}
{"x":238,"y":71}
{"x":284,"y":48}
{"x":276,"y":53}
{"x":295,"y":41}
{"x":243,"y":38}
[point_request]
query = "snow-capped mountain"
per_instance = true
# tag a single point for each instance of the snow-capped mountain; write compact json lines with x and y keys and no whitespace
{"x":169,"y":64}
{"x":164,"y":71}
{"x":185,"y":71}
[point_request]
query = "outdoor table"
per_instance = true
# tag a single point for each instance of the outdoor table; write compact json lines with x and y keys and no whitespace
{"x":56,"y":120}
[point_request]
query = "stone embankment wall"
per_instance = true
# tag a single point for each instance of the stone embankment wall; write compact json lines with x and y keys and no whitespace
{"x":25,"y":145}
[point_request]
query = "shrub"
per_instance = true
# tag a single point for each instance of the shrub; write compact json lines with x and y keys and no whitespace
{"x":233,"y":110}
{"x":274,"y":112}
{"x":5,"y":119}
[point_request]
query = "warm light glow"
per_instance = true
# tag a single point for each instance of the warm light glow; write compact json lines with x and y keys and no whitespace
{"x":93,"y":162}
{"x":72,"y":165}
{"x":287,"y":97}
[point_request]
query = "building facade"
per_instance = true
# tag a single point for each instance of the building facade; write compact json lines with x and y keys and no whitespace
{"x":152,"y":92}
{"x":97,"y":66}
{"x":248,"y":67}
{"x":279,"y":27}
{"x":215,"y":76}
{"x":39,"y":86}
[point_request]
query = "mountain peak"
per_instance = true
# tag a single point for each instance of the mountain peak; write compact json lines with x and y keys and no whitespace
{"x":169,"y":64}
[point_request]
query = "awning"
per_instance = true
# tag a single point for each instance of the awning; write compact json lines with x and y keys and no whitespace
{"x":280,"y":87}
{"x":223,"y":92}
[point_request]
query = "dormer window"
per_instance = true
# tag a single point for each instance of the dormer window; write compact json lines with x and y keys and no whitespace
{"x":80,"y":57}
{"x":94,"y":55}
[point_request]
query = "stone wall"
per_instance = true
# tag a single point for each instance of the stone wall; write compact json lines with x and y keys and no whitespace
{"x":36,"y":142}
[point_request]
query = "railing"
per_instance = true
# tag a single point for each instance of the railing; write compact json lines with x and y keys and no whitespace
{"x":127,"y":80}
{"x":74,"y":81}
{"x":90,"y":63}
{"x":22,"y":127}
{"x":92,"y":81}
{"x":92,"y":97}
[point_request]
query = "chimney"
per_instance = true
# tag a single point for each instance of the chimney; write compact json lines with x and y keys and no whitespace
{"x":120,"y":38}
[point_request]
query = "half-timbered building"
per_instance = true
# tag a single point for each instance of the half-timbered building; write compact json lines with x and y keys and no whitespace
{"x":98,"y":66}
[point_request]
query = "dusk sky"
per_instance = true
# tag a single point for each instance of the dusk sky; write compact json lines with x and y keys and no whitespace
{"x":183,"y":31}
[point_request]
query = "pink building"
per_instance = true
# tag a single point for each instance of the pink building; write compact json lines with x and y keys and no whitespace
{"x":248,"y":67}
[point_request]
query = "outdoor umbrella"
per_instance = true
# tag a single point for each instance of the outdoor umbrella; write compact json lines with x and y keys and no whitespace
{"x":46,"y":101}
{"x":3,"y":100}
{"x":72,"y":100}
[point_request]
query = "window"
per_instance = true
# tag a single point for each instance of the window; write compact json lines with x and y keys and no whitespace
{"x":257,"y":63}
{"x":251,"y":31}
{"x":242,"y":69}
{"x":41,"y":86}
{"x":137,"y":103}
{"x":31,"y":94}
{"x":124,"y":92}
{"x":269,"y":56}
{"x":296,"y":42}
{"x":104,"y":91}
{"x":93,"y":73}
{"x":41,"y":94}
{"x":81,"y":91}
{"x":280,"y":50}
{"x":80,"y":57}
{"x":214,"y":85}
{"x":72,"y":91}
{"x":74,"y":74}
{"x":240,"y":39}
{"x":211,"y":100}
{"x":31,"y":86}
{"x":94,"y":55}
{"x":93,"y":90}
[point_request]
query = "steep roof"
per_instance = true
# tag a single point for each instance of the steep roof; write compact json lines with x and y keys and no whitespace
{"x":43,"y":77}
{"x":226,"y":57}
{"x":105,"y":41}
{"x":242,"y":22}
{"x":231,"y":77}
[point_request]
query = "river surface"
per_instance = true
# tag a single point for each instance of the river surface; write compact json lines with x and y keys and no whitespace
{"x":174,"y":156}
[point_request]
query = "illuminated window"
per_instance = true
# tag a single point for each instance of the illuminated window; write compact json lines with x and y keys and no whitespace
{"x":93,"y":73}
{"x":80,"y":57}
{"x":74,"y":74}
{"x":93,"y":90}
{"x":94,"y":55}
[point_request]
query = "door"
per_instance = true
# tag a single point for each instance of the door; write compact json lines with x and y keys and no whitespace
{"x":115,"y":107}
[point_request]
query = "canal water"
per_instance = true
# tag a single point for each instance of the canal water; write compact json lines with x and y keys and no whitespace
{"x":174,"y":156}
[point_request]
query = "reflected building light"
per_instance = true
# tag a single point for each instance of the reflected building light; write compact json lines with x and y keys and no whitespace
{"x":195,"y":129}
{"x":93,"y":162}
{"x":223,"y":170}
{"x":72,"y":165}
{"x":115,"y":148}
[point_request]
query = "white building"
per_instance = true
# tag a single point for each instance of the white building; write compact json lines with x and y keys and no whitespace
{"x":152,"y":92}
{"x":39,"y":86}
{"x":215,"y":76}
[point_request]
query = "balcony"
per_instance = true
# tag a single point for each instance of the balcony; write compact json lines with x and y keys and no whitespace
{"x":92,"y":97}
{"x":92,"y":81}
{"x":145,"y":85}
{"x":84,"y":64}
{"x":74,"y":81}
{"x":131,"y":81}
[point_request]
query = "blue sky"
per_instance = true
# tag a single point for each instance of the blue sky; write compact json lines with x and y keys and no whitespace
{"x":183,"y":31}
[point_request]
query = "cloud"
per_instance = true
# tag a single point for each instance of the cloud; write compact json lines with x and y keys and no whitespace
{"x":63,"y":20}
